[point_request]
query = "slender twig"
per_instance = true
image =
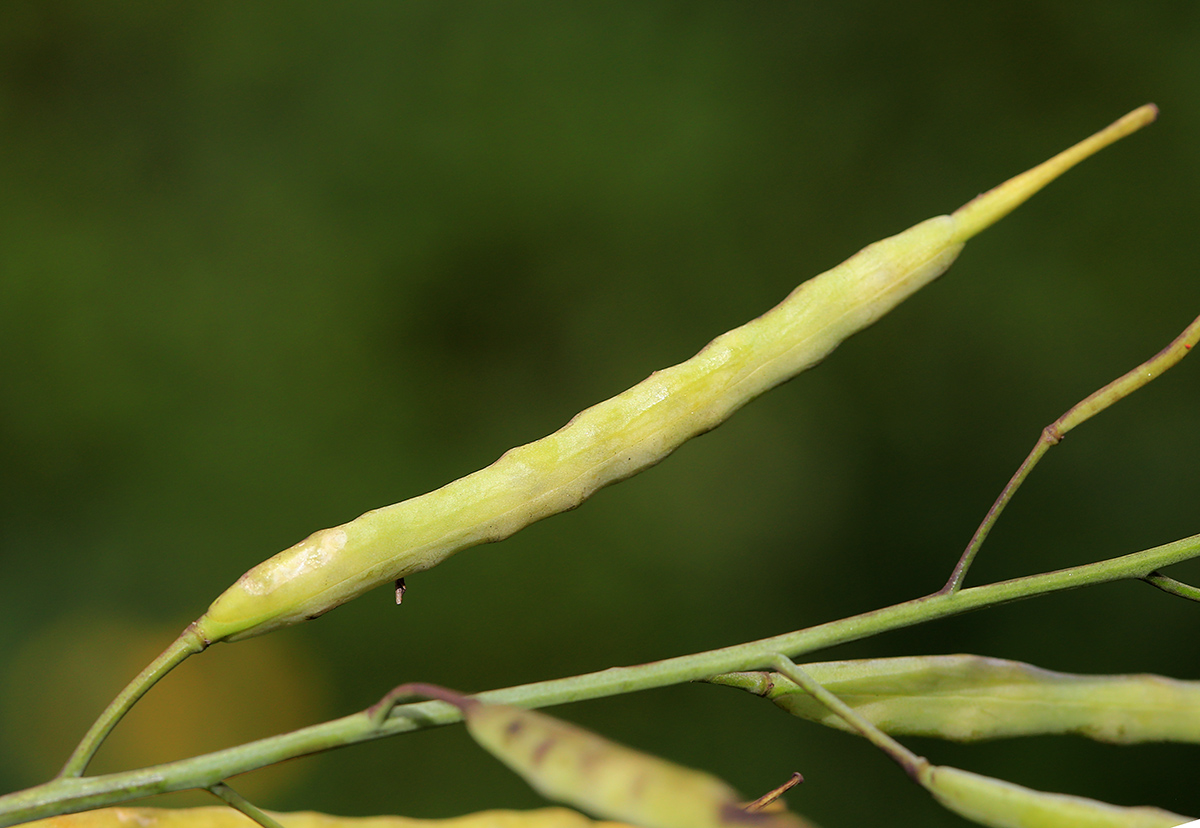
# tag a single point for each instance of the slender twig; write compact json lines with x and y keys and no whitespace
{"x":69,"y":795}
{"x":236,"y":800}
{"x":1173,"y":586}
{"x":188,"y":643}
{"x":1052,"y":434}
{"x":903,"y":757}
{"x":379,"y":712}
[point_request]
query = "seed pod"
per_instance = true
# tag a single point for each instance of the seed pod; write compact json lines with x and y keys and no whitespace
{"x":221,"y":817}
{"x":967,"y":698}
{"x":1000,"y":804}
{"x":979,"y":798}
{"x":569,"y":764}
{"x":572,"y":765}
{"x":626,"y":434}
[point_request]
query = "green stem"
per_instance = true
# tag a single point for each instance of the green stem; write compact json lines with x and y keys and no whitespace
{"x":69,"y":795}
{"x":1172,"y":586}
{"x":189,"y":642}
{"x":903,"y":757}
{"x":1047,"y":439}
{"x":1052,"y":434}
{"x":236,"y":800}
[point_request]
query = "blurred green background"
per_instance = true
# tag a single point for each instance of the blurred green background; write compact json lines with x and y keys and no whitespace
{"x":266,"y":266}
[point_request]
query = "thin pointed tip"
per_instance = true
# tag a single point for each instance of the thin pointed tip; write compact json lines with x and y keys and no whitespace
{"x":1135,"y":120}
{"x":986,"y":209}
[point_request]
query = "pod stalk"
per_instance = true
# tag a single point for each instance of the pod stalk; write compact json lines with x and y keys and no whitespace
{"x":188,"y":643}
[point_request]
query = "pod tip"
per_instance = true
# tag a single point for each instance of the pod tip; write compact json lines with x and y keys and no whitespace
{"x":985,"y":210}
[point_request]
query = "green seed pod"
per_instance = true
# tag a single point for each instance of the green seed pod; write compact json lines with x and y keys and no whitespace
{"x":602,"y":445}
{"x":572,"y":765}
{"x":1002,"y":804}
{"x":222,"y":817}
{"x":626,"y":434}
{"x":966,"y":698}
{"x":979,"y":798}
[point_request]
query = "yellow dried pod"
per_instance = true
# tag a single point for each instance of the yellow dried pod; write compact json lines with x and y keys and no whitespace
{"x":223,"y":817}
{"x":1000,"y":804}
{"x":626,"y":434}
{"x":572,"y":765}
{"x":569,"y":764}
{"x":967,"y":698}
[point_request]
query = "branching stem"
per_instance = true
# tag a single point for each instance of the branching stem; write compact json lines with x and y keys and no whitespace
{"x":69,"y":795}
{"x":1052,"y":434}
{"x":1172,"y":586}
{"x":903,"y":757}
{"x":236,"y":800}
{"x":188,"y":643}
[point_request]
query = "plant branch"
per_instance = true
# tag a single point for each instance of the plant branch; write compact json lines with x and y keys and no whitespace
{"x":1172,"y":586}
{"x":69,"y":794}
{"x":903,"y":757}
{"x":1052,"y":434}
{"x":221,"y":790}
{"x":188,"y":643}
